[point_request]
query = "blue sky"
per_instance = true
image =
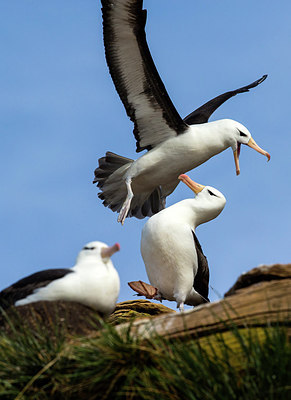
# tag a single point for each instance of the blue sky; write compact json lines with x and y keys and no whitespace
{"x":59,"y":113}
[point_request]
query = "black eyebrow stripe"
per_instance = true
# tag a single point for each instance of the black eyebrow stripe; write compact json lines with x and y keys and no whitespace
{"x":242,"y":134}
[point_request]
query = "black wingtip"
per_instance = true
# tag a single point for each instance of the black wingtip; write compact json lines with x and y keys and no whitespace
{"x":250,"y":86}
{"x":262,"y":79}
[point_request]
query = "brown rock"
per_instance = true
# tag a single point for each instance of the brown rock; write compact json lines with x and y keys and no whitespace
{"x":73,"y":318}
{"x":265,"y":273}
{"x":261,"y":304}
{"x":128,"y":310}
{"x":258,"y":298}
{"x":52,"y":317}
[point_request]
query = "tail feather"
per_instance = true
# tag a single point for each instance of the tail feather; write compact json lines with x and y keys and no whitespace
{"x":108,"y":165}
{"x":109,"y":177}
{"x":156,"y":201}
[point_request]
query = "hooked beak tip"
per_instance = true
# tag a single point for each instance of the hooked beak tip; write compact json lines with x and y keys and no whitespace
{"x":254,"y":146}
{"x":182,"y":176}
{"x":237,"y":172}
{"x":117,"y":246}
{"x":268,"y":156}
{"x":107,"y":252}
{"x":194,"y":186}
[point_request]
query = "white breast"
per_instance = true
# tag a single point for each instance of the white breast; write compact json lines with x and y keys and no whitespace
{"x":169,"y":254}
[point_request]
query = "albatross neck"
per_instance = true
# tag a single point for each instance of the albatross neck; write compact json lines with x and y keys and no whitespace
{"x":213,"y":137}
{"x":195,"y":211}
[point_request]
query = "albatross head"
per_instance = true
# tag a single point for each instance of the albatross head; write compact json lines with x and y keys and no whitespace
{"x":209,"y":202}
{"x":241,"y":135}
{"x":97,"y":251}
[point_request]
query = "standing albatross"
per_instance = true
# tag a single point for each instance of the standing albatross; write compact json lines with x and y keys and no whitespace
{"x":93,"y":281}
{"x":176,"y":266}
{"x":139,"y":188}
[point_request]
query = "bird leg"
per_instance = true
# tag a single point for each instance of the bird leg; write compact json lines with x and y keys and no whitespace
{"x":159,"y":297}
{"x":163,"y":202}
{"x":181,"y":306}
{"x":126,"y":205}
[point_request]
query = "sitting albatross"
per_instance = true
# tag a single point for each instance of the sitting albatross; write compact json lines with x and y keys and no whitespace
{"x":93,"y":281}
{"x":176,"y":266}
{"x":139,"y":188}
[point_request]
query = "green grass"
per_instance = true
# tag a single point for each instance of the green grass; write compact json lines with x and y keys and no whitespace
{"x":252,"y":363}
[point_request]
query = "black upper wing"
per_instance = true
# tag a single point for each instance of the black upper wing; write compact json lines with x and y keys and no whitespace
{"x":201,"y":281}
{"x":203,"y":113}
{"x":24,"y":287}
{"x":135,"y":76}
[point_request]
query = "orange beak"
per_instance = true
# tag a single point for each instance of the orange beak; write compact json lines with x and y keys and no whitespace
{"x":195,"y":187}
{"x":254,"y":146}
{"x":107,"y":252}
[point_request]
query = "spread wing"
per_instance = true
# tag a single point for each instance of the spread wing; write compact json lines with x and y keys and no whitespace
{"x":26,"y":286}
{"x":203,"y":113}
{"x":135,"y":76}
{"x":201,"y":280}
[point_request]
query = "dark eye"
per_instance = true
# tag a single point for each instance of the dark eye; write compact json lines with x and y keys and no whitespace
{"x":242,"y":134}
{"x":211,"y":193}
{"x":88,"y":248}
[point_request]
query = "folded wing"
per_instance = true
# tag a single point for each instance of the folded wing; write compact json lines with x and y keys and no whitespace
{"x":26,"y":286}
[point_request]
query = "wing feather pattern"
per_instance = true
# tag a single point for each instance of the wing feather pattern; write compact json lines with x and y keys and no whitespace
{"x":135,"y":76}
{"x":26,"y":286}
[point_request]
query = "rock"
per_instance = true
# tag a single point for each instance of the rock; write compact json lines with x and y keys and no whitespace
{"x":261,"y":299}
{"x":128,"y":310}
{"x":264,"y":273}
{"x":52,"y":317}
{"x":73,"y":318}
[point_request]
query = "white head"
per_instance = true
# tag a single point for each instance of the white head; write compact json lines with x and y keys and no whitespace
{"x":97,"y":251}
{"x":209,"y":202}
{"x":238,"y":135}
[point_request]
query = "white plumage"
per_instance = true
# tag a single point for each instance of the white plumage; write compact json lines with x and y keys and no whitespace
{"x":171,"y":251}
{"x":92,"y":281}
{"x":139,"y":188}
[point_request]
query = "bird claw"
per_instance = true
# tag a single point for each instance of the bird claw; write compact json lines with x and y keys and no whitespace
{"x":123,"y":213}
{"x":126,"y":205}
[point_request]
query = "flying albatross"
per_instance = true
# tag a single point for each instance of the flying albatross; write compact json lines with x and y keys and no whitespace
{"x":139,"y":188}
{"x":93,"y":281}
{"x":176,"y":266}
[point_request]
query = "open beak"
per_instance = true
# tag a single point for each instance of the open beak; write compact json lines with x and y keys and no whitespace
{"x":254,"y":146}
{"x":236,"y":156}
{"x":195,"y":187}
{"x":107,"y":252}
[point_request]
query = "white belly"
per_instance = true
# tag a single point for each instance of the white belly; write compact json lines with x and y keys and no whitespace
{"x":169,"y":255}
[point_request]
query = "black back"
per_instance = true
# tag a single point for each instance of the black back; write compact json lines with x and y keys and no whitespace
{"x":26,"y":286}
